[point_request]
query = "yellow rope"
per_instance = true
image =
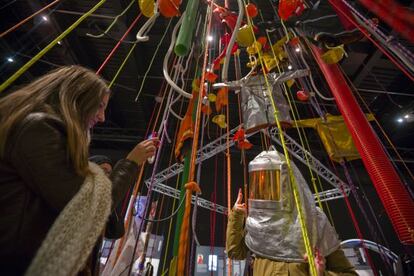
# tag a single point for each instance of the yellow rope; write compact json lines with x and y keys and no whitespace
{"x":169,"y":230}
{"x":122,"y":65}
{"x":300,"y":133}
{"x":25,"y":67}
{"x":300,"y":130}
{"x":306,"y":240}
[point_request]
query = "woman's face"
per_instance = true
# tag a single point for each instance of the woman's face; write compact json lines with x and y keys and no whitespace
{"x":100,"y":113}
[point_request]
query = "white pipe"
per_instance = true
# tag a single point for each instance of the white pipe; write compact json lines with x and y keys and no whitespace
{"x":225,"y":72}
{"x":142,"y":33}
{"x":165,"y":64}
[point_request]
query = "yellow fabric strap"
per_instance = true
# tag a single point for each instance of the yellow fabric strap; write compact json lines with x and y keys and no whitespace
{"x":308,"y":247}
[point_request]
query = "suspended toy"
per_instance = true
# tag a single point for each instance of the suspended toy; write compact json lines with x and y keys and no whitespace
{"x":206,"y":109}
{"x":241,"y":141}
{"x":245,"y":36}
{"x":288,"y":8}
{"x":210,"y":76}
{"x":255,"y":48}
{"x":220,"y":120}
{"x":303,"y":95}
{"x":334,"y":55}
{"x":271,"y":57}
{"x":169,"y":8}
{"x":211,"y":97}
{"x":225,"y":17}
{"x":251,"y":10}
{"x":222,"y":99}
{"x":147,"y":7}
{"x":186,"y":130}
{"x":225,"y":39}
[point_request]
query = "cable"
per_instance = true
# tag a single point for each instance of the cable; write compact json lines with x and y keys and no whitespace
{"x":25,"y":67}
{"x":122,"y":65}
{"x":27,"y":18}
{"x":8,"y":4}
{"x":98,"y":72}
{"x":152,"y":61}
{"x":411,"y":77}
{"x":113,"y":22}
{"x":166,"y":218}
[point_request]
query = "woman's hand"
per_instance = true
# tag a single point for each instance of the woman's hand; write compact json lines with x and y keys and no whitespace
{"x":239,"y":206}
{"x":143,"y":151}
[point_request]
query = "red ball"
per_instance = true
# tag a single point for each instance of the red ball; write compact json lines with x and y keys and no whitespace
{"x":251,"y":10}
{"x":302,"y":95}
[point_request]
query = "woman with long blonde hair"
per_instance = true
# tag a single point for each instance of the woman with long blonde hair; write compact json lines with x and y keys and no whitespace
{"x":53,"y":203}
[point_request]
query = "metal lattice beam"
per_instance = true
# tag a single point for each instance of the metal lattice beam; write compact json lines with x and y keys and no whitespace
{"x":220,"y":145}
{"x":302,"y":154}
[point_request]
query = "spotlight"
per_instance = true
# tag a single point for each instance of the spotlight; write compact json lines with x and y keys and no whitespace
{"x":59,"y":42}
{"x":10,"y":59}
{"x":297,"y":49}
{"x":407,"y":116}
{"x":400,"y":120}
{"x":45,"y":18}
{"x":210,"y":38}
{"x":290,"y":67}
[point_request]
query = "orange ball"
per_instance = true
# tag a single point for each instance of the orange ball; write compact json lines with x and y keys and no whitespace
{"x":251,"y":10}
{"x":262,"y":40}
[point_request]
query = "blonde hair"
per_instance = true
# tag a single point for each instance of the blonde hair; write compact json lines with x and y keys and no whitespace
{"x":72,"y":93}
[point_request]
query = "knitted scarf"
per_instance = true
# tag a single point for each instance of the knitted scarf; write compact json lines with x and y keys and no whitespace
{"x":71,"y":238}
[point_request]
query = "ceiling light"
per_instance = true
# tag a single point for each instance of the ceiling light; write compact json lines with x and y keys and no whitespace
{"x":210,"y":38}
{"x":290,"y":67}
{"x":400,"y":120}
{"x":59,"y":42}
{"x":10,"y":59}
{"x":407,"y":116}
{"x":45,"y":18}
{"x":297,"y":49}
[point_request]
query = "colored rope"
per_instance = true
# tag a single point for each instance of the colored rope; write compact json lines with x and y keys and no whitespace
{"x":228,"y":157}
{"x":367,"y":35}
{"x":301,"y":133}
{"x":308,"y":247}
{"x":183,"y":248}
{"x":28,"y":18}
{"x":122,"y":65}
{"x":25,"y":67}
{"x":113,"y":22}
{"x":8,"y":4}
{"x":98,"y":72}
{"x":176,"y":184}
{"x":152,"y":60}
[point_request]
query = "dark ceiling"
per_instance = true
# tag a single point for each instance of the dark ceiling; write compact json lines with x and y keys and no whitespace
{"x":386,"y":90}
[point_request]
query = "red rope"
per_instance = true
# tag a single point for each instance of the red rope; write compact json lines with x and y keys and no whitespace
{"x":98,"y":72}
{"x":27,"y":19}
{"x":397,"y":16}
{"x":365,"y":32}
